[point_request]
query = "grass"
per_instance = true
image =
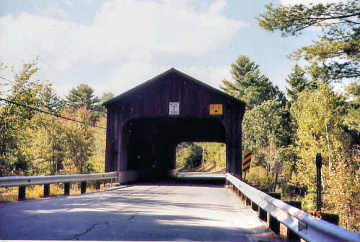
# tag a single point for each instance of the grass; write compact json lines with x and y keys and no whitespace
{"x":10,"y":194}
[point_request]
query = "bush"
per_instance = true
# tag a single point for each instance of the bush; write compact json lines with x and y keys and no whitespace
{"x":258,"y":175}
{"x":194,"y":156}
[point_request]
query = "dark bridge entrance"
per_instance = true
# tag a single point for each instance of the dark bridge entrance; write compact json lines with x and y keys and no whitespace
{"x":146,"y":123}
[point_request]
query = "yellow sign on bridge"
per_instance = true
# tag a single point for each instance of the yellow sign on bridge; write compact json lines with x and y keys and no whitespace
{"x":216,"y":109}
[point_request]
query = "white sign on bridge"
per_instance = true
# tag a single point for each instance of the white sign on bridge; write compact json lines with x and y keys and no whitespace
{"x":174,"y":108}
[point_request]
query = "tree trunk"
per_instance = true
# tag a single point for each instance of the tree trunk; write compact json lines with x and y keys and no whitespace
{"x":276,"y":180}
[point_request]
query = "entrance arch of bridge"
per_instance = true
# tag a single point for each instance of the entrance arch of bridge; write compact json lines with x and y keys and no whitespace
{"x":152,"y":142}
{"x":146,"y":123}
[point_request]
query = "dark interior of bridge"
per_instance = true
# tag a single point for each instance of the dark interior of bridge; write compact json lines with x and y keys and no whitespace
{"x":152,"y":142}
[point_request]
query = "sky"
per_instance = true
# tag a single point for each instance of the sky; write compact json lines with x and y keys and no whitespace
{"x":114,"y":45}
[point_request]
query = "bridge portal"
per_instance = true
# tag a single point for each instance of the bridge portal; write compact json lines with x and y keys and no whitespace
{"x":146,"y":123}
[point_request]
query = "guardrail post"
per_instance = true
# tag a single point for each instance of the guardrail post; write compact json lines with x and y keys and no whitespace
{"x":247,"y":202}
{"x":262,"y":214}
{"x":46,"y":190}
{"x":83,"y":187}
{"x":67,"y":188}
{"x":97,"y":185}
{"x":273,"y":223}
{"x":254,"y":206}
{"x":287,"y":233}
{"x":243,"y":198}
{"x":22,"y":193}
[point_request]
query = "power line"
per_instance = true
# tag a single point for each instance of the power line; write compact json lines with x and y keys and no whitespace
{"x":46,"y":112}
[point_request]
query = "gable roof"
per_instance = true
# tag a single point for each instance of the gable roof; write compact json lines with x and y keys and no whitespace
{"x":163,"y":75}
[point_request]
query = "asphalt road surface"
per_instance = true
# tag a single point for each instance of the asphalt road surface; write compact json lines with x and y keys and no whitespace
{"x":142,"y":212}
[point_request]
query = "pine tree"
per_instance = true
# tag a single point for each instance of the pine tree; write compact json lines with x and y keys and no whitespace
{"x":297,"y":83}
{"x":249,"y":85}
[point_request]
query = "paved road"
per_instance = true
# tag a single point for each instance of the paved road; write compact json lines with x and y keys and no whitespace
{"x":140,"y":212}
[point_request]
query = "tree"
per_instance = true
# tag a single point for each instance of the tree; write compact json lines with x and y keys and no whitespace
{"x":50,"y":100}
{"x":319,"y":115}
{"x":297,"y":83}
{"x":337,"y":49}
{"x":97,"y":160}
{"x":82,"y":96}
{"x":266,"y":124}
{"x":352,"y":118}
{"x":15,"y":120}
{"x":79,"y":141}
{"x":48,"y":145}
{"x":106,"y":96}
{"x":265,"y":130}
{"x":344,"y":190}
{"x":249,"y":85}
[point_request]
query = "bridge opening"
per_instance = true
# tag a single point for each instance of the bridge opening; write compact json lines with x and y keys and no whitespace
{"x":152,"y":142}
{"x":206,"y":157}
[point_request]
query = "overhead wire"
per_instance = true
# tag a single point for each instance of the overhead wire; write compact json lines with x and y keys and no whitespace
{"x":46,"y":112}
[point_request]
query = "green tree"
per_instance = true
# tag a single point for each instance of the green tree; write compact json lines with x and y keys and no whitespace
{"x":79,"y":141}
{"x":106,"y":96}
{"x":97,"y":160}
{"x":249,"y":85}
{"x":352,"y":118}
{"x":266,"y":124}
{"x":297,"y":83}
{"x":337,"y":49}
{"x":344,"y":187}
{"x":15,"y":121}
{"x":265,"y":130}
{"x":50,"y":100}
{"x":48,"y":145}
{"x":82,"y":96}
{"x":319,"y":116}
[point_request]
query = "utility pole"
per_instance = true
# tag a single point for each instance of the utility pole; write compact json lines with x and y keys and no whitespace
{"x":318,"y":184}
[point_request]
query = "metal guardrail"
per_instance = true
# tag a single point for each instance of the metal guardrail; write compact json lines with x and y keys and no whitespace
{"x":38,"y":180}
{"x":303,"y":224}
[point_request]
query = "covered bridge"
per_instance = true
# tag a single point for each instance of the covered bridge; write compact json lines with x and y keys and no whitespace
{"x":146,"y":123}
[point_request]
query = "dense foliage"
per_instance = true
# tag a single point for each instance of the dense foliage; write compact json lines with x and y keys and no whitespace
{"x":36,"y":143}
{"x":322,"y":120}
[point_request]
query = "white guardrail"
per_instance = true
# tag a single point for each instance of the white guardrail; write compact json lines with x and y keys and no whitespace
{"x":303,"y":224}
{"x":37,"y":180}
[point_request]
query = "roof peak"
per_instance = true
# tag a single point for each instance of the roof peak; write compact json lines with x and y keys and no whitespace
{"x":161,"y":75}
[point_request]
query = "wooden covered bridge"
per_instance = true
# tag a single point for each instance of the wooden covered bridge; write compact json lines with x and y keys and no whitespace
{"x":146,"y":123}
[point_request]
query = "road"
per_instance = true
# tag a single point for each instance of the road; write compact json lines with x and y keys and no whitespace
{"x":148,"y":212}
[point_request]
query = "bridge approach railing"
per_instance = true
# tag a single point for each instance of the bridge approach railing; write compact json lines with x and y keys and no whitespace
{"x":300,"y":223}
{"x":23,"y":181}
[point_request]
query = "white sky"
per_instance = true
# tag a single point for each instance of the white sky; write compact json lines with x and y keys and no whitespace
{"x":114,"y":45}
